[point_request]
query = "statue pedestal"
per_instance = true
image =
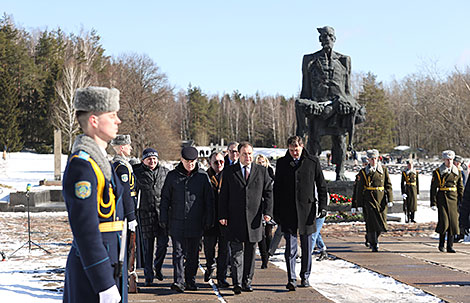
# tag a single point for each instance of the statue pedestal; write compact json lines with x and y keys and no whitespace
{"x":344,"y":188}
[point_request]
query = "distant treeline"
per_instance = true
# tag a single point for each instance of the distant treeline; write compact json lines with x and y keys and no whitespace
{"x":40,"y":70}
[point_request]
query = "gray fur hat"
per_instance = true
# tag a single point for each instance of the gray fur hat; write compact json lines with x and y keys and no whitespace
{"x":372,"y":153}
{"x":96,"y":99}
{"x":448,"y":154}
{"x":121,"y":140}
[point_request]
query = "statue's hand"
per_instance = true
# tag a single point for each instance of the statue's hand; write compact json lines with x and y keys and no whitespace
{"x":344,"y":108}
{"x":316,"y":108}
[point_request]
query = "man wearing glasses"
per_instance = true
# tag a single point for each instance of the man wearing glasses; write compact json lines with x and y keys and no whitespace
{"x":232,"y":154}
{"x":216,"y":235}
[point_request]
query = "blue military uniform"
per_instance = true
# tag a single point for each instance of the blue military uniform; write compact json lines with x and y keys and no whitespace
{"x":96,"y":212}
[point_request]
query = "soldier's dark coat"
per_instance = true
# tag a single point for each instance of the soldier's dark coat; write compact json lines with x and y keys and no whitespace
{"x":447,"y":200}
{"x":89,"y":268}
{"x":125,"y":175}
{"x":374,"y":202}
{"x":410,"y":187}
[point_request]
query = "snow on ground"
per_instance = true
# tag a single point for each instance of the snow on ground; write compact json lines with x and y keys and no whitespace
{"x":357,"y":284}
{"x":34,"y":276}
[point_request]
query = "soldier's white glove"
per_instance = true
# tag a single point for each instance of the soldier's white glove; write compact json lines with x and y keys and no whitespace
{"x":434,"y":208}
{"x":417,"y":196}
{"x":110,"y":295}
{"x":359,"y":209}
{"x":353,"y":210}
{"x":404,"y":196}
{"x":132,"y":225}
{"x":390,"y":204}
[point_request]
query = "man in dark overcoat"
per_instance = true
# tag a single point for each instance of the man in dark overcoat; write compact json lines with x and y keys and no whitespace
{"x":298,"y":178}
{"x":245,"y":196}
{"x":445,"y":193}
{"x":187,"y":209}
{"x":374,"y":194}
{"x":150,"y":176}
{"x":216,"y":236}
{"x":93,"y":197}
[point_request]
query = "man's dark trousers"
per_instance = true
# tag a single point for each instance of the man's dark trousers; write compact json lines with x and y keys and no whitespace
{"x":291,"y":255}
{"x":185,"y":248}
{"x":243,"y":262}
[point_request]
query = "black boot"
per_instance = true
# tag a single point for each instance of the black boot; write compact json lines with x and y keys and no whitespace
{"x":412,"y":217}
{"x":442,"y":239}
{"x":450,"y":243}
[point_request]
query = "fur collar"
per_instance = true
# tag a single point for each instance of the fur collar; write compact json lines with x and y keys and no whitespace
{"x":87,"y":144}
{"x":123,"y":160}
{"x":378,"y":169}
{"x":453,"y":169}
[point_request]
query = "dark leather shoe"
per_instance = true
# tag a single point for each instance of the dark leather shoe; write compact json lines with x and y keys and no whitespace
{"x":237,"y":289}
{"x":375,"y":248}
{"x":191,"y":286}
{"x":304,"y":283}
{"x":158,"y":275}
{"x":451,"y":250}
{"x":441,"y":248}
{"x":247,"y":288}
{"x":223,"y":284}
{"x":148,"y":283}
{"x":264,"y":265}
{"x":291,"y":286}
{"x":177,"y":287}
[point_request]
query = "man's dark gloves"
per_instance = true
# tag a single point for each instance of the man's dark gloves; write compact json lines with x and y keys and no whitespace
{"x":162,"y":225}
{"x":322,"y":213}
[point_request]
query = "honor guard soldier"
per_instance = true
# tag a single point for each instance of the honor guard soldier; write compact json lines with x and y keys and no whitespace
{"x":373,"y":190}
{"x":446,"y":191}
{"x":410,"y":191}
{"x":122,"y":146}
{"x":93,"y":197}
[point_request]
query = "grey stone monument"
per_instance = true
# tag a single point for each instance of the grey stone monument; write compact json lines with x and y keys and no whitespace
{"x":326,"y":106}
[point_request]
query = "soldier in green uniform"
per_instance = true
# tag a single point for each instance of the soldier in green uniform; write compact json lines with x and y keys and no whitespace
{"x":374,"y":194}
{"x":446,"y":191}
{"x":410,"y":191}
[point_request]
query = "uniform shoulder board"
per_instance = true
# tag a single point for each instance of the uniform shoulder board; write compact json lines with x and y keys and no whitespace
{"x":83,"y":155}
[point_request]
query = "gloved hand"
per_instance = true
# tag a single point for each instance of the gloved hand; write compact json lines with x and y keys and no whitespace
{"x":110,"y":295}
{"x":132,"y":225}
{"x":404,"y":196}
{"x":162,"y":225}
{"x":322,"y":213}
{"x":359,"y":210}
{"x":434,"y":208}
{"x":390,"y":204}
{"x":417,"y":196}
{"x":353,"y":210}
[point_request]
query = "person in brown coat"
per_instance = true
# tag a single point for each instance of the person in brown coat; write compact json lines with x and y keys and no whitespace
{"x":374,"y":194}
{"x":410,"y":191}
{"x":446,"y":191}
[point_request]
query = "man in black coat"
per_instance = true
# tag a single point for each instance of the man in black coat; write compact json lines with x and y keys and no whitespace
{"x":150,"y":176}
{"x":187,"y":209}
{"x":298,"y":185}
{"x":245,"y":198}
{"x":216,"y":235}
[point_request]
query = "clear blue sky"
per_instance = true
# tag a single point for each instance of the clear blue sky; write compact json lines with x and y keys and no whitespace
{"x":257,"y":45}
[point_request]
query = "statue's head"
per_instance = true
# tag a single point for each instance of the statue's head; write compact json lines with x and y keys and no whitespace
{"x":327,"y":36}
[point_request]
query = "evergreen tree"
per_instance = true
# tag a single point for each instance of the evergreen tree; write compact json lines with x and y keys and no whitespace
{"x":10,"y":86}
{"x":198,"y":116}
{"x":377,"y":130}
